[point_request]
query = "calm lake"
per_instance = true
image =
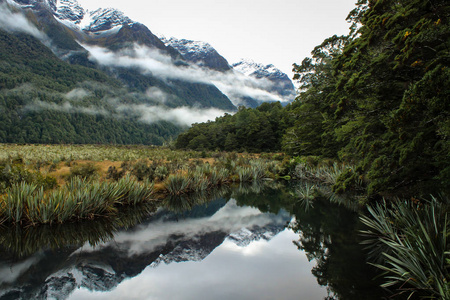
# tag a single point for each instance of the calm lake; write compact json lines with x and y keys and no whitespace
{"x":247,"y":242}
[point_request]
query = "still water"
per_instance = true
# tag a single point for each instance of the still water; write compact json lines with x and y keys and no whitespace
{"x":254,"y":242}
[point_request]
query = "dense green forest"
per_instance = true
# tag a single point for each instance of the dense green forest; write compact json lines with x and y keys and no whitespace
{"x":252,"y":130}
{"x":378,"y":97}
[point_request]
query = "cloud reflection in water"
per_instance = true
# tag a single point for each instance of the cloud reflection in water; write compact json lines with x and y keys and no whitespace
{"x":263,"y":269}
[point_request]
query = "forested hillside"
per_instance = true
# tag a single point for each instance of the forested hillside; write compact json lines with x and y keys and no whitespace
{"x":46,"y":100}
{"x":378,"y":97}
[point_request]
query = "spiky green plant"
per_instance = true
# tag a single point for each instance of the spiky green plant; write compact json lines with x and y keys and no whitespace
{"x":177,"y":184}
{"x":218,"y":176}
{"x":15,"y":200}
{"x":199,"y":182}
{"x":78,"y":199}
{"x":258,"y":168}
{"x":245,"y":174}
{"x":161,"y":172}
{"x":139,"y":193}
{"x":411,"y":240}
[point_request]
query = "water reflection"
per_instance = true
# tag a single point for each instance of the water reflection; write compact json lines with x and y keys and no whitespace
{"x":236,"y":246}
{"x":329,"y":234}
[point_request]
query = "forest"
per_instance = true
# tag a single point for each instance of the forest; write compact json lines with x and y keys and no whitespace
{"x":377,"y":97}
{"x":44,"y":99}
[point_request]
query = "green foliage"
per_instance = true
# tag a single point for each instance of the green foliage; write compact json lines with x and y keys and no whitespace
{"x":14,"y":172}
{"x":379,"y":98}
{"x":78,"y":199}
{"x":252,"y":130}
{"x":84,"y":171}
{"x":410,"y":241}
{"x":114,"y":174}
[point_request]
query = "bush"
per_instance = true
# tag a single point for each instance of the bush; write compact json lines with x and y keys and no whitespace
{"x":142,"y":170}
{"x":16,"y":174}
{"x":114,"y":174}
{"x":85,"y":171}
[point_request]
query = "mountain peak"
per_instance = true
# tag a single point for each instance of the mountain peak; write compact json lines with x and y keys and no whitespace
{"x":69,"y":10}
{"x":282,"y":85}
{"x":105,"y":19}
{"x":251,"y":68}
{"x":72,"y":14}
{"x":198,"y":52}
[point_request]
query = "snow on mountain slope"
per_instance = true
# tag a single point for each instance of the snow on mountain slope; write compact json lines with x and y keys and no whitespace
{"x":106,"y":19}
{"x":282,"y":85}
{"x":251,"y":68}
{"x":69,"y":10}
{"x":200,"y":53}
{"x":70,"y":13}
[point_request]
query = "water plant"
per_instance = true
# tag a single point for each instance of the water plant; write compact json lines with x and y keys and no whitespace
{"x":411,"y":238}
{"x":245,"y":174}
{"x":78,"y":199}
{"x":177,"y":184}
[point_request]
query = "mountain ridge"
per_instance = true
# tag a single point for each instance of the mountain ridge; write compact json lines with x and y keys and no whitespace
{"x":147,"y":78}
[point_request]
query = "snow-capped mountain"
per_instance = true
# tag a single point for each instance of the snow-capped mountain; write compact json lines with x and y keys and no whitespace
{"x":281,"y":82}
{"x":71,"y":14}
{"x":70,"y":11}
{"x":272,"y":79}
{"x":105,"y":19}
{"x":190,"y":73}
{"x":200,"y":53}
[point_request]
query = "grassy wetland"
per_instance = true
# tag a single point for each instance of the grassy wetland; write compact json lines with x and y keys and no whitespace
{"x":66,"y":184}
{"x":53,"y":184}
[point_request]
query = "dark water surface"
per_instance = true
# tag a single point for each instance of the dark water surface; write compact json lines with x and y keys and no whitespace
{"x":255,"y":242}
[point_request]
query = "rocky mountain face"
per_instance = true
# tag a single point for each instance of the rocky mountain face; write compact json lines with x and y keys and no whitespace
{"x":200,"y":53}
{"x":272,"y":80}
{"x":281,"y":84}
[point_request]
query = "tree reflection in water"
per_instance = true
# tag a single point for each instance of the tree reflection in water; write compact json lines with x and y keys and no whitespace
{"x":329,"y":234}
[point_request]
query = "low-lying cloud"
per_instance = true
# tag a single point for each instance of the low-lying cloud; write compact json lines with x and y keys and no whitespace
{"x":183,"y":116}
{"x":145,"y":113}
{"x":233,"y":84}
{"x":17,"y":22}
{"x":66,"y":107}
{"x":77,"y":94}
{"x":156,"y":94}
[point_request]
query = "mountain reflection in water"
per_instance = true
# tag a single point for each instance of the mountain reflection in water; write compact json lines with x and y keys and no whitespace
{"x":242,"y":245}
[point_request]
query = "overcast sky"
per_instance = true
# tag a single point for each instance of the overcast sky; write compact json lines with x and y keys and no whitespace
{"x":280,"y":32}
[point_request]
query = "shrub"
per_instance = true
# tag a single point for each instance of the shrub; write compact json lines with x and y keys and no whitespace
{"x":114,"y":174}
{"x":85,"y":171}
{"x":141,"y":170}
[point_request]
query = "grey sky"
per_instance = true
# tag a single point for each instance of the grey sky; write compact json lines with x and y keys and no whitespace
{"x":279,"y":32}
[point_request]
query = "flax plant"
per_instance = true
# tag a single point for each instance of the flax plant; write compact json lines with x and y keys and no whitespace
{"x":177,"y":184}
{"x":78,"y":199}
{"x":15,"y":200}
{"x":412,"y":241}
